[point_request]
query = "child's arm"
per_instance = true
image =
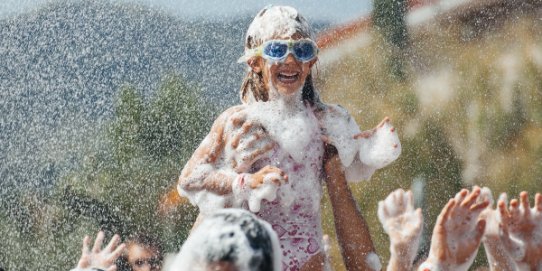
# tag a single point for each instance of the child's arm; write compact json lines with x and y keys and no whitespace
{"x":497,"y":256}
{"x":403,"y":224}
{"x":521,"y":231}
{"x":361,"y":153}
{"x":201,"y":172}
{"x":352,"y":232}
{"x":220,"y":164}
{"x":457,"y":233}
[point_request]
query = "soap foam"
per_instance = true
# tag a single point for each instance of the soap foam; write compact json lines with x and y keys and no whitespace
{"x":380,"y":149}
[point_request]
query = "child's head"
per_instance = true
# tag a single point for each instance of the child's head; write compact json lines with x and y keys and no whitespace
{"x":230,"y":239}
{"x":280,"y":52}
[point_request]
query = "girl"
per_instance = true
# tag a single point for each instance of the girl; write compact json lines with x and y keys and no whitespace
{"x":267,"y":154}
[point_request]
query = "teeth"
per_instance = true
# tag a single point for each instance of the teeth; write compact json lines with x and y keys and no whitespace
{"x":288,"y":74}
{"x":288,"y":77}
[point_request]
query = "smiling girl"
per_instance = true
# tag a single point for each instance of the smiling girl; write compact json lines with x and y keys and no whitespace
{"x":267,"y":154}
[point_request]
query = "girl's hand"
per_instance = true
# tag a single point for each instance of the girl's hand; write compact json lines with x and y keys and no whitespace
{"x":521,"y":231}
{"x":380,"y":146}
{"x":458,"y":232}
{"x":369,"y":133}
{"x":248,"y":140}
{"x":98,"y":258}
{"x":262,"y":185}
{"x":268,"y":174}
{"x":403,"y":224}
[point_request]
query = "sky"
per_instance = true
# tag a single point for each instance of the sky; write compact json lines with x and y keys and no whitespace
{"x":333,"y":11}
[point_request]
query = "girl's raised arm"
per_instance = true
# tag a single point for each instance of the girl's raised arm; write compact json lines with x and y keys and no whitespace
{"x":202,"y":171}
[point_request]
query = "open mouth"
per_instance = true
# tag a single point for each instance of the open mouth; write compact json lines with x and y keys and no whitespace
{"x":288,"y":77}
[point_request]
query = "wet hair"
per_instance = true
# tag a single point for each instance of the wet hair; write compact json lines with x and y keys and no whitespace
{"x":253,"y":87}
{"x":257,"y":236}
{"x":145,"y":240}
{"x":233,"y":236}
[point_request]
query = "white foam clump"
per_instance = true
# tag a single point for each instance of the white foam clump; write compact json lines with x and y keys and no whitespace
{"x":291,"y":128}
{"x":267,"y":191}
{"x":218,"y":234}
{"x":277,"y":21}
{"x":340,"y":129}
{"x":382,"y":148}
{"x":373,"y":261}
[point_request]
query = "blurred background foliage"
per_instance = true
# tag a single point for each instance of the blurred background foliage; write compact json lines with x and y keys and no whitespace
{"x":467,"y":107}
{"x":121,"y":186}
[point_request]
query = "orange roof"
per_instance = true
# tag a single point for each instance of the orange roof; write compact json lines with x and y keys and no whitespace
{"x":335,"y":35}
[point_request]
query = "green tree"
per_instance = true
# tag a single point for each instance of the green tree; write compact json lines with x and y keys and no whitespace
{"x":126,"y":170}
{"x":389,"y":20}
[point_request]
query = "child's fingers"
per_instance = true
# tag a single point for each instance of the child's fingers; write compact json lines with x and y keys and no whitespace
{"x":240,"y":134}
{"x":503,"y":211}
{"x":479,"y":207}
{"x":86,"y":243}
{"x":112,"y":268}
{"x":382,"y":213}
{"x":113,"y":243}
{"x":514,"y":210}
{"x":252,"y":140}
{"x":471,"y":198}
{"x":460,"y":196}
{"x":398,"y":200}
{"x":503,"y":197}
{"x":524,"y":201}
{"x":99,"y":241}
{"x":251,"y":157}
{"x":364,"y":134}
{"x":446,"y":211}
{"x":384,"y":121}
{"x":116,"y":253}
{"x":538,"y":202}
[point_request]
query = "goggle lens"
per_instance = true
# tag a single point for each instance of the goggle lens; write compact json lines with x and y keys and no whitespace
{"x":303,"y":50}
{"x":275,"y":49}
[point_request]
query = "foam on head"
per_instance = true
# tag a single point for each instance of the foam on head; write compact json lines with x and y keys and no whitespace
{"x":234,"y":236}
{"x":276,"y":22}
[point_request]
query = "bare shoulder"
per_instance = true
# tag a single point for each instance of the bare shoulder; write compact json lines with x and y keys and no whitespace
{"x":227,"y":114}
{"x":230,"y":111}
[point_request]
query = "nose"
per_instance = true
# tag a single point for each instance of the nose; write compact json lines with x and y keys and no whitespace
{"x":289,"y":58}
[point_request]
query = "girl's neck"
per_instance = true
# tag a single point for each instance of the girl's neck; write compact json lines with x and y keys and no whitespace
{"x":288,"y":103}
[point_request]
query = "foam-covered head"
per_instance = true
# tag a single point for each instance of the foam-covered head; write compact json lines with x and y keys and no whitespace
{"x":274,"y":22}
{"x":230,"y":237}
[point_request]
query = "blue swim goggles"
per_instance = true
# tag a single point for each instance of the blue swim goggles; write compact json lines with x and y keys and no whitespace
{"x":304,"y":50}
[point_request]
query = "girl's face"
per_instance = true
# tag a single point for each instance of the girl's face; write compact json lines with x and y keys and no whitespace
{"x":287,"y":77}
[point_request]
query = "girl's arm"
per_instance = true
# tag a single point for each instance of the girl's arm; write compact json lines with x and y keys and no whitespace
{"x":202,"y":172}
{"x":217,"y":175}
{"x":352,"y":232}
{"x":361,"y":153}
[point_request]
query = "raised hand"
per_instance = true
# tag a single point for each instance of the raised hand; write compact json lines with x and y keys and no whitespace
{"x":98,"y":258}
{"x":521,"y":231}
{"x":457,"y":233}
{"x":379,"y":146}
{"x":403,"y":224}
{"x":248,"y":141}
{"x":497,"y":256}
